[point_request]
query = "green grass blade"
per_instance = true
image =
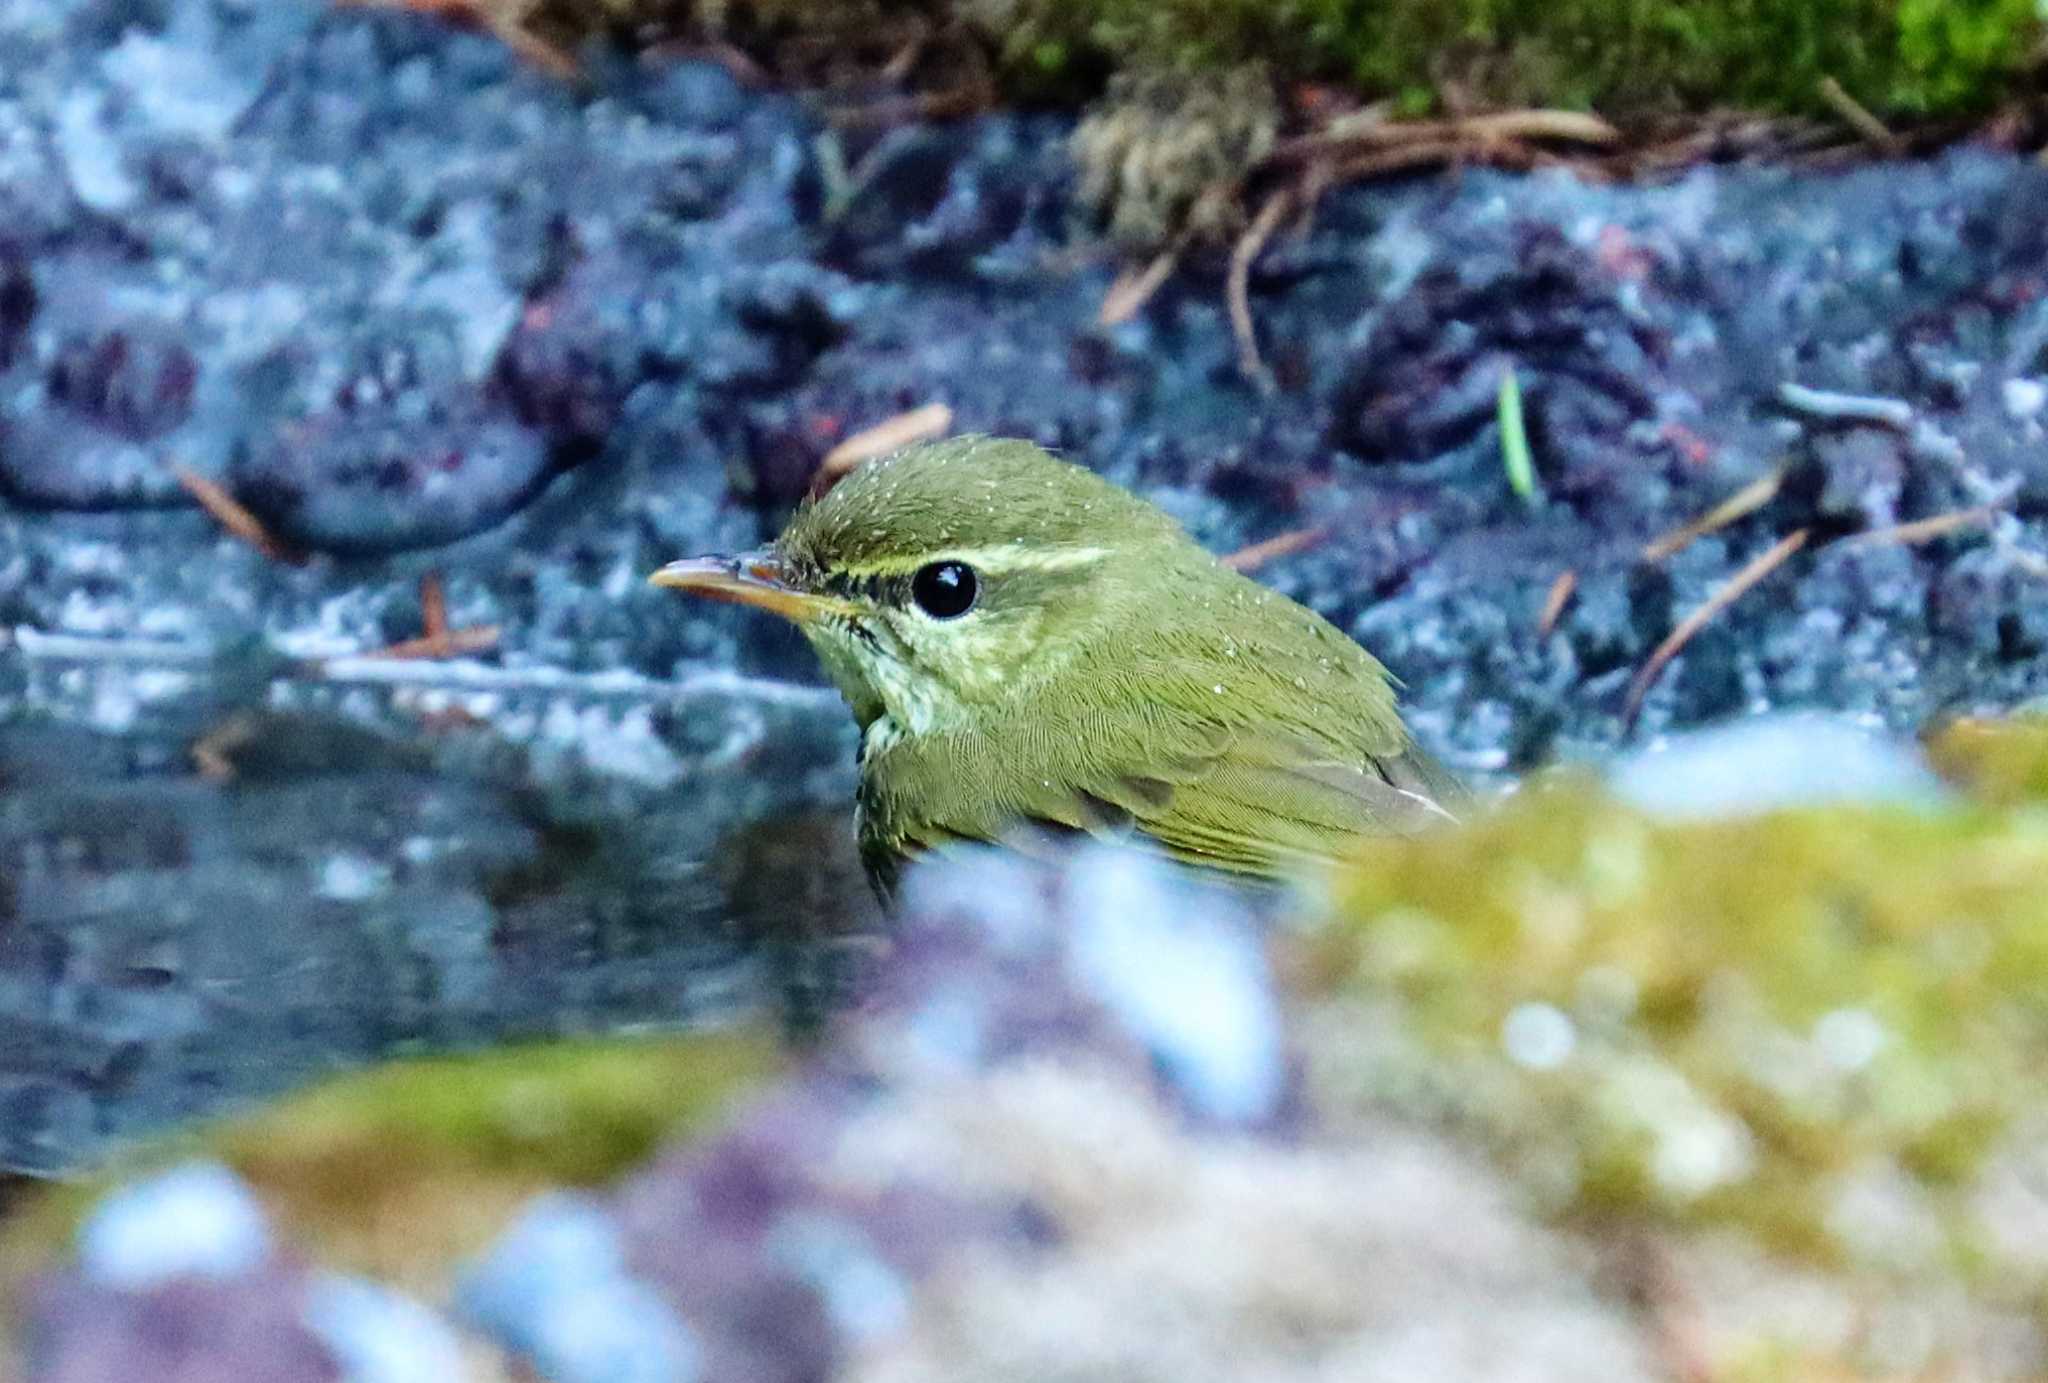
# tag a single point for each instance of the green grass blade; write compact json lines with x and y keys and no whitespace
{"x":1514,"y":441}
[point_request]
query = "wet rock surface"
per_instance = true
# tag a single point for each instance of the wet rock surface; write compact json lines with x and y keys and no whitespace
{"x":421,"y":309}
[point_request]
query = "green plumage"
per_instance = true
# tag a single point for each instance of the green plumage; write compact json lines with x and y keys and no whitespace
{"x":1112,"y":677}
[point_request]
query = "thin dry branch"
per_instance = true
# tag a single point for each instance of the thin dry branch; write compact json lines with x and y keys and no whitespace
{"x":231,"y":514}
{"x":1238,"y":286}
{"x":891,"y":434}
{"x":1400,"y":159}
{"x":1744,"y":501}
{"x":449,"y":643}
{"x":1678,"y":638}
{"x":1857,"y":117}
{"x":1502,"y":127}
{"x":437,"y":640}
{"x":1924,"y":530}
{"x":433,"y":606}
{"x":1561,"y":591}
{"x":1134,"y":288}
{"x":1274,"y":548}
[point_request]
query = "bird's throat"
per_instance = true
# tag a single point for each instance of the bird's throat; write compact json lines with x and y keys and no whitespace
{"x":881,"y":735}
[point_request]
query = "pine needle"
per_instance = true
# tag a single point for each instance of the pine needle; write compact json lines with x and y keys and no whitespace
{"x":1923,"y":530}
{"x":1134,"y":288}
{"x":1713,"y":605}
{"x":1561,"y":591}
{"x":1274,"y":548}
{"x":1744,"y":501}
{"x":1857,"y":117}
{"x":231,"y":514}
{"x":449,"y":643}
{"x":892,"y":434}
{"x":1238,"y":287}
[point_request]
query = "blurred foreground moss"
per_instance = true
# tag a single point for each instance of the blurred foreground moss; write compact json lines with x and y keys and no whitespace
{"x":1744,"y":1023}
{"x":2001,"y":761}
{"x":403,"y":1170}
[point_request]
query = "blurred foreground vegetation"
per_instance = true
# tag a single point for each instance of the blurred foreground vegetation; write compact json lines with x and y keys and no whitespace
{"x":1810,"y":1038}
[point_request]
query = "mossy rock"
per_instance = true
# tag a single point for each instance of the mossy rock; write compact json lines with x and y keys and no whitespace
{"x":403,"y":1171}
{"x":1732,"y":1023}
{"x":1626,"y":58}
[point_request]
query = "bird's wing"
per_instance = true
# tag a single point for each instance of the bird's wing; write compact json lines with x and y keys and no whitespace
{"x":1266,"y":803}
{"x":1245,"y":800}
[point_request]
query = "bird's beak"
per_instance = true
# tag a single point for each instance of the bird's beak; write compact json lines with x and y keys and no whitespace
{"x":756,"y":578}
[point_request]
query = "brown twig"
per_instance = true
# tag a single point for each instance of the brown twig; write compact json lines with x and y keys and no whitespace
{"x":1272,"y":549}
{"x":449,"y":643}
{"x":1923,"y":530}
{"x":1504,"y":127}
{"x":1857,"y":117}
{"x":892,"y":434}
{"x":1744,"y":501}
{"x":231,"y":514}
{"x":906,"y":58}
{"x":1756,"y":570}
{"x":433,"y":606}
{"x":436,"y":639}
{"x":1237,"y":287}
{"x":1561,"y":591}
{"x":1134,"y":288}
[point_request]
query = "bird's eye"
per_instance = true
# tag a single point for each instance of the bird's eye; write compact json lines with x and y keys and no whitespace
{"x":945,"y":590}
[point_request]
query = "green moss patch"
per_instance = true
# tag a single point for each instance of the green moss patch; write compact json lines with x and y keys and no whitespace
{"x":1627,"y":58}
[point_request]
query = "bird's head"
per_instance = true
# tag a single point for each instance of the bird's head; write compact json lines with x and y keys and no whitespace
{"x":940,"y":584}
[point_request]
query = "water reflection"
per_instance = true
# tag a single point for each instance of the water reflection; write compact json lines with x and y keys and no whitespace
{"x":230,"y":897}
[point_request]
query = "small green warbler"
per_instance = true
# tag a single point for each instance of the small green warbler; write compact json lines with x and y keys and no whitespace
{"x":1024,"y":643}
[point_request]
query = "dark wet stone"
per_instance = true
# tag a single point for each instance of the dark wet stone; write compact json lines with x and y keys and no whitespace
{"x":574,"y":356}
{"x":965,"y":199}
{"x":106,"y":391}
{"x":374,"y":480}
{"x":1428,"y":379}
{"x":17,"y":307}
{"x":135,"y":382}
{"x":279,"y":290}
